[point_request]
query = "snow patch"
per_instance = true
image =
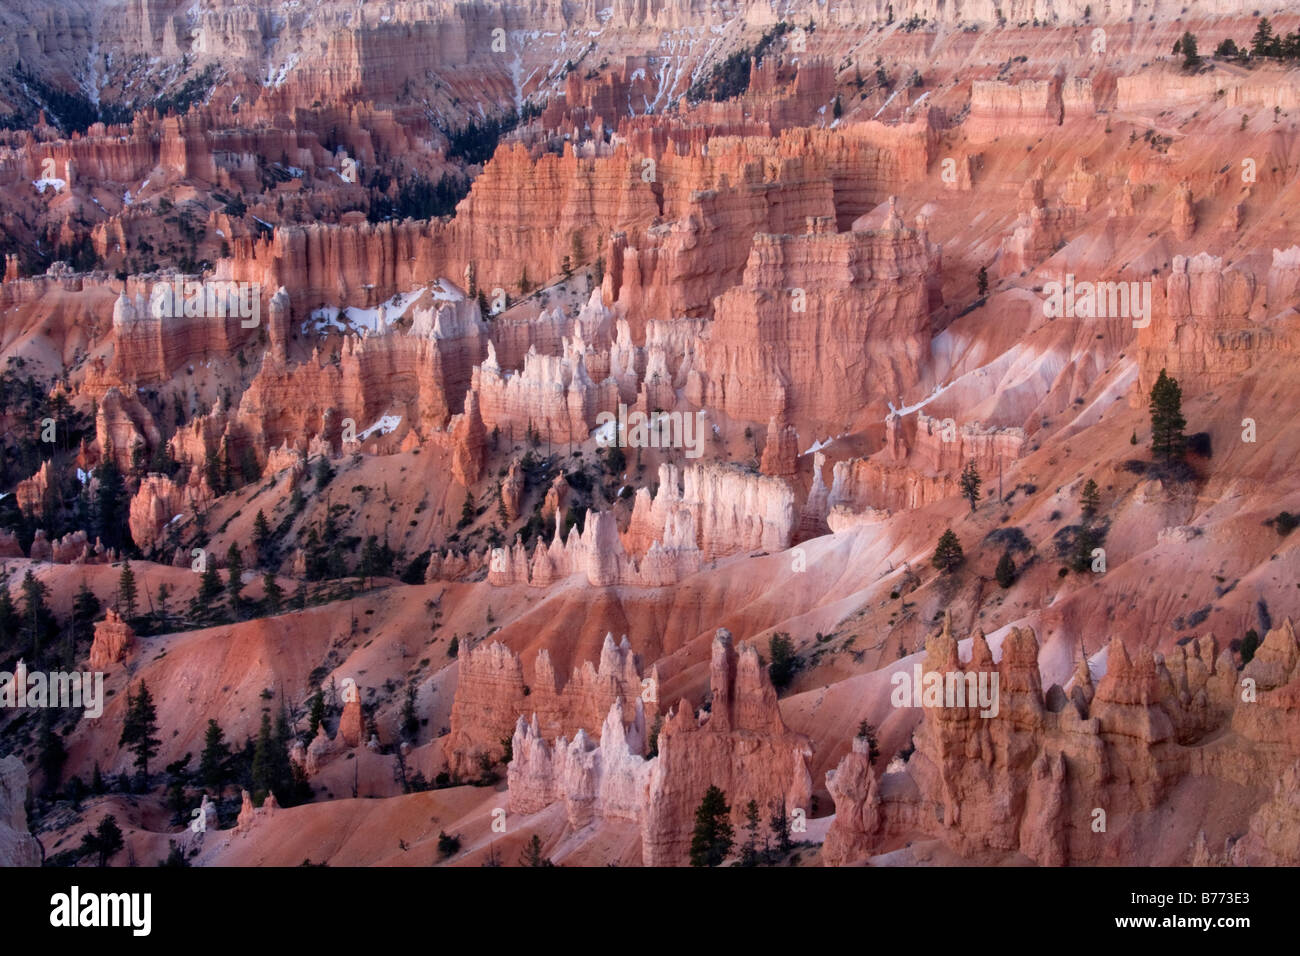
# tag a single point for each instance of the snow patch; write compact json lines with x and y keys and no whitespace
{"x":353,"y":319}
{"x":384,"y":426}
{"x":908,"y":409}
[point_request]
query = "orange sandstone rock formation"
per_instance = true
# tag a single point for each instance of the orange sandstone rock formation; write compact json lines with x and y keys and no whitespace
{"x":113,"y":641}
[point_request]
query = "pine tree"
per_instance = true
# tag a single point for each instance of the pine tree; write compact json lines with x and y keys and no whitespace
{"x":227,"y":473}
{"x":314,"y":553}
{"x":948,"y":555}
{"x":138,"y":729}
{"x":274,"y":593}
{"x":370,"y":561}
{"x":712,"y":838}
{"x":532,"y":854}
{"x":1167,"y":422}
{"x":261,"y":537}
{"x":10,"y":622}
{"x":209,"y":585}
{"x":467,"y":511}
{"x":126,"y":591}
{"x":779,"y":824}
{"x":175,"y":857}
{"x":164,"y":592}
{"x":983,"y":280}
{"x":652,"y":743}
{"x":1227,"y":49}
{"x":749,"y":850}
{"x":214,"y":760}
{"x":324,"y":474}
{"x":264,"y":760}
{"x":970,"y":484}
{"x":1087,"y":539}
{"x":212,"y":470}
{"x":1249,"y":645}
{"x":272,"y":771}
{"x":52,"y":753}
{"x":283,"y":765}
{"x":104,"y":841}
{"x":315,"y":712}
{"x":234,"y":576}
{"x":85,"y":608}
{"x":1089,"y":500}
{"x":1006,"y":570}
{"x":784,"y":661}
{"x":38,"y":623}
{"x":1263,"y":42}
{"x":111,"y":504}
{"x":410,"y":719}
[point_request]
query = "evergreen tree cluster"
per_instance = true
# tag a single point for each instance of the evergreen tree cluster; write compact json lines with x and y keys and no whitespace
{"x":730,"y":78}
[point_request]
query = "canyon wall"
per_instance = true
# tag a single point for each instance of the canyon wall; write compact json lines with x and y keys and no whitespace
{"x":1220,"y":321}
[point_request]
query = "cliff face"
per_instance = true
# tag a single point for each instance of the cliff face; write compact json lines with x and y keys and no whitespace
{"x":855,"y":788}
{"x":158,"y":501}
{"x":672,"y":223}
{"x":124,"y":427}
{"x":419,"y":376}
{"x":554,"y":395}
{"x":148,"y":347}
{"x":822,"y":325}
{"x":17,"y":846}
{"x":1029,"y":108}
{"x":1218,"y":322}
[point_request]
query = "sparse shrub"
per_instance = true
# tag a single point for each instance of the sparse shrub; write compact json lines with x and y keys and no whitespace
{"x":1011,"y":539}
{"x":868,"y":733}
{"x":1249,"y":644}
{"x":1284,"y":522}
{"x":1006,"y":570}
{"x":448,"y":845}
